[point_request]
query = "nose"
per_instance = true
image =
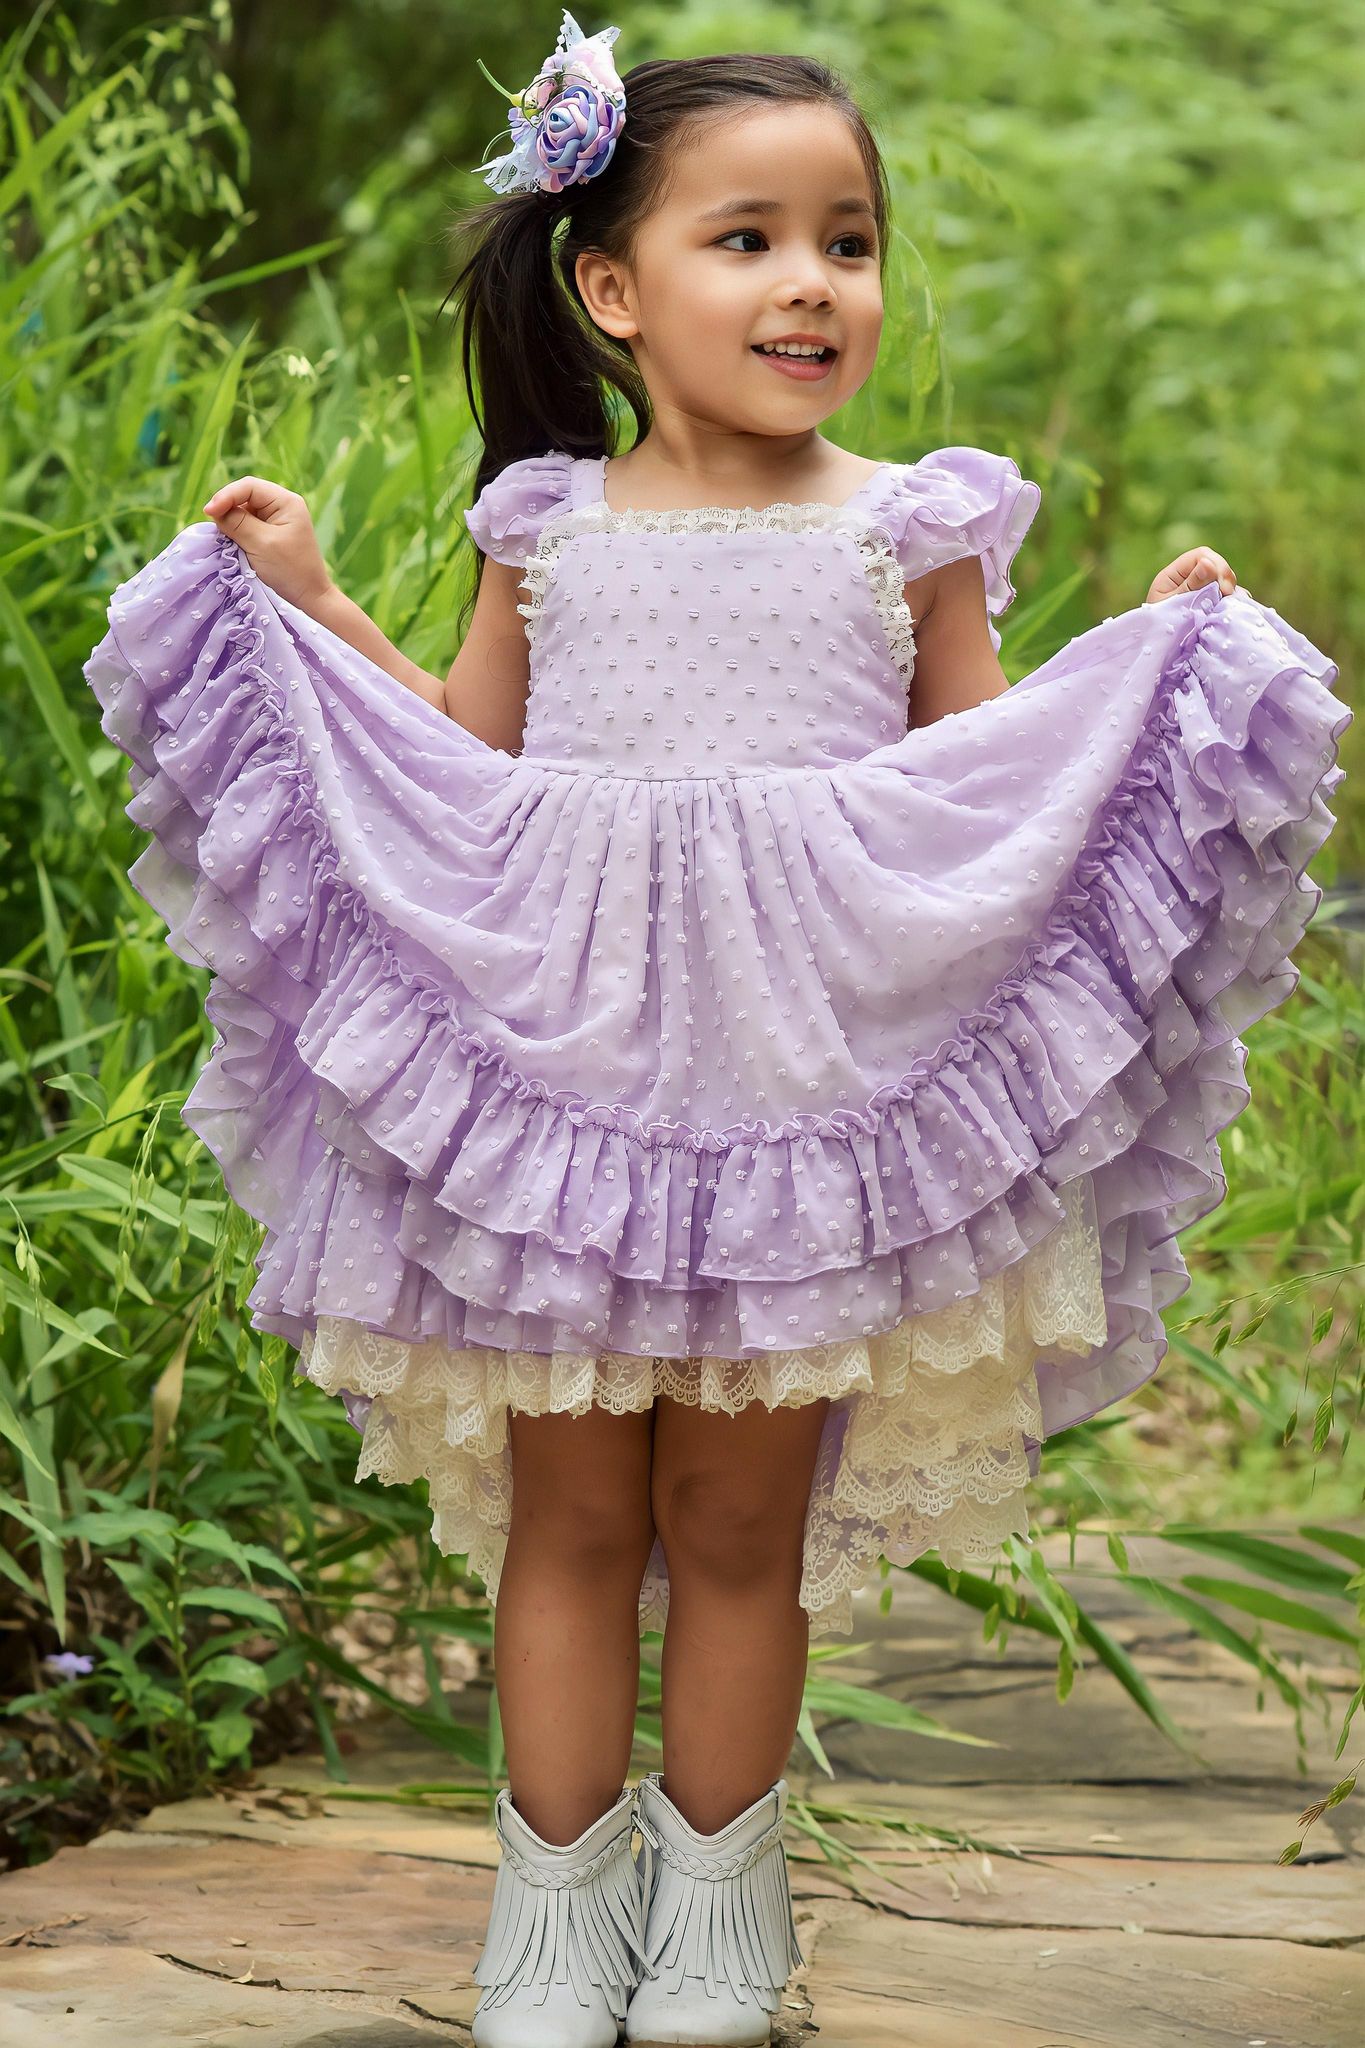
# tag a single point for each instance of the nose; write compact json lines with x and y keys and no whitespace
{"x":813,"y":287}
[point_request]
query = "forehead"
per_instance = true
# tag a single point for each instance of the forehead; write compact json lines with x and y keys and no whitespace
{"x":803,"y":156}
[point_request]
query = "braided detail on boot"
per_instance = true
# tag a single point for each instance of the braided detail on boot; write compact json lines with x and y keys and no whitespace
{"x":681,"y":1859}
{"x":566,"y":1875}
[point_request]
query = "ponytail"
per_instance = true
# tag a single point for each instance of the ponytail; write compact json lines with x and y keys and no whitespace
{"x":534,"y":363}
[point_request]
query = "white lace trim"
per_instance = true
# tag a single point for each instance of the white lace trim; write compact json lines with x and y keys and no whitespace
{"x":885,"y":575}
{"x":922,"y":1446}
{"x":886,"y":580}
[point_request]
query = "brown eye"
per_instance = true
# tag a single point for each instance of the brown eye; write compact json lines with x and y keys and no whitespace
{"x":862,"y":243}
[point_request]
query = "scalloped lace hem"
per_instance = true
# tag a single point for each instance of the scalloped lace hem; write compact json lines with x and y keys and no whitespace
{"x":881,"y":565}
{"x":923,"y":1445}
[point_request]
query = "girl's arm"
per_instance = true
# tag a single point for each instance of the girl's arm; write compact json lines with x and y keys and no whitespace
{"x":344,"y":617}
{"x":488,"y":681}
{"x":487,"y":684}
{"x":490,"y":678}
{"x":955,"y":663}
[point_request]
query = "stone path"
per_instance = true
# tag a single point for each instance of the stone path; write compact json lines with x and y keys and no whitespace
{"x":1149,"y":1909}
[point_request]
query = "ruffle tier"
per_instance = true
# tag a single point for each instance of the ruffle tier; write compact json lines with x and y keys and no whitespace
{"x":344,"y":859}
{"x":924,"y":1446}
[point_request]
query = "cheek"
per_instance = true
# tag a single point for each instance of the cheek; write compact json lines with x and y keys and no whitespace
{"x":868,"y":323}
{"x":703,"y":305}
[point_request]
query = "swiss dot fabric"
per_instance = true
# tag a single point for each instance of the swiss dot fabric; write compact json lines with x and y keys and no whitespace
{"x":734,"y":1040}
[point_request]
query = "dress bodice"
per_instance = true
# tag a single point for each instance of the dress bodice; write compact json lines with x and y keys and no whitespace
{"x":721,"y":641}
{"x":711,"y":643}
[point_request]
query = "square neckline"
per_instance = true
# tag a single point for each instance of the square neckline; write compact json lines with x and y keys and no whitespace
{"x":592,"y":470}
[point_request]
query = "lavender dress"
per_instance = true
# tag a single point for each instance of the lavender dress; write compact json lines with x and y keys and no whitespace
{"x":731,"y":1041}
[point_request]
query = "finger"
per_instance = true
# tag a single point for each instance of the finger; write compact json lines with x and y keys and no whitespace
{"x":255,"y":494}
{"x":1215,"y":568}
{"x":236,"y":493}
{"x":239,"y":522}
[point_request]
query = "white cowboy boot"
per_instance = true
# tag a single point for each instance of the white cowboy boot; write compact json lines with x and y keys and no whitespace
{"x":565,"y":1934}
{"x":720,"y":1940}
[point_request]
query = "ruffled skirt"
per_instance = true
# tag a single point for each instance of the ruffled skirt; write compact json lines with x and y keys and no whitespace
{"x":925,"y":1445}
{"x":475,"y":1202}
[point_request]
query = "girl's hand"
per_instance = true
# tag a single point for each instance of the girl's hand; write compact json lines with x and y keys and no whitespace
{"x":1188,"y":571}
{"x":274,"y":531}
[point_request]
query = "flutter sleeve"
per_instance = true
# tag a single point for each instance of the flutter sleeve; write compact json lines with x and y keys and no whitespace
{"x":960,"y":501}
{"x":506,"y":517}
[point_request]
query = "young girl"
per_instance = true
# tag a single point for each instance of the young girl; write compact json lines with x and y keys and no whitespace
{"x":722,"y":1074}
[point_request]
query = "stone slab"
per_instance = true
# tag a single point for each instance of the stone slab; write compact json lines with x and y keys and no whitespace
{"x":73,"y":1997}
{"x":1321,"y":1904}
{"x":383,"y":1828}
{"x":1208,"y":1824}
{"x":1097,"y":1736}
{"x":876,"y":1983}
{"x":303,"y":1919}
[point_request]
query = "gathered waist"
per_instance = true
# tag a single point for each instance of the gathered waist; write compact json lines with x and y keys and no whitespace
{"x":731,"y":772}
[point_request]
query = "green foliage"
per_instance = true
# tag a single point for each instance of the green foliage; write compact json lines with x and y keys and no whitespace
{"x":1127,"y":254}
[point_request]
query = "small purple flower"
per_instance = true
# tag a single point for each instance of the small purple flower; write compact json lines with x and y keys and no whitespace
{"x":68,"y":1664}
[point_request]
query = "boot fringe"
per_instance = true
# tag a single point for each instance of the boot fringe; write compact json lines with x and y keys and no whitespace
{"x":582,"y":1924}
{"x":724,"y":1919}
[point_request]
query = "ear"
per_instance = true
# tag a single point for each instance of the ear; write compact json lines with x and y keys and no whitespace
{"x":608,"y":293}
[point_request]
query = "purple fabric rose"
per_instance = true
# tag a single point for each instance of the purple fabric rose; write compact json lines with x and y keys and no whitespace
{"x":574,"y":138}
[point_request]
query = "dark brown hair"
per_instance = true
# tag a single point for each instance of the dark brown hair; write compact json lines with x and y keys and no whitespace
{"x":535,"y":363}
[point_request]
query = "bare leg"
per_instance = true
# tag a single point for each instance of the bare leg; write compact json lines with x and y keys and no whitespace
{"x":566,"y":1640}
{"x":730,"y":1494}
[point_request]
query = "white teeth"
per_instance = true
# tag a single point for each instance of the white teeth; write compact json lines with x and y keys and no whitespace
{"x":791,"y":348}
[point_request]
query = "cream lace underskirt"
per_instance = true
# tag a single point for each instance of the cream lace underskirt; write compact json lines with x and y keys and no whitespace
{"x":922,"y":1446}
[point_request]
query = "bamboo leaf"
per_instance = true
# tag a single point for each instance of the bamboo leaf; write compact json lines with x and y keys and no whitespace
{"x":1271,"y":1559}
{"x":16,"y":1430}
{"x":29,"y":655}
{"x":1274,"y":1607}
{"x":846,"y":1702}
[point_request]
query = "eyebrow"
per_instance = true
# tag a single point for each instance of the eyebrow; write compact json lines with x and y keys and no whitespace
{"x":738,"y":206}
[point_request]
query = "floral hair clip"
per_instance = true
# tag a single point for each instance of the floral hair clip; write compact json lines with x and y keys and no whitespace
{"x":565,"y":123}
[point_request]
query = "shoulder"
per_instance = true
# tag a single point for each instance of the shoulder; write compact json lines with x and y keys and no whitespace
{"x":508,"y":513}
{"x":953,"y":502}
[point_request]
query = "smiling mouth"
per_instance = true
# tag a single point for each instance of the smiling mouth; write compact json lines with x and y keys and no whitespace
{"x":823,"y":355}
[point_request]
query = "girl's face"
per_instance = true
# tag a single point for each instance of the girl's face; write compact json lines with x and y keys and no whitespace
{"x":766,"y":230}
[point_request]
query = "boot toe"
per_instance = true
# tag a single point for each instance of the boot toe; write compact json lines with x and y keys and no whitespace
{"x":656,"y":2018}
{"x":518,"y":2023}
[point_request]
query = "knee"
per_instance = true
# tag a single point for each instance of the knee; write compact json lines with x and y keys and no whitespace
{"x":729,"y":1527}
{"x":583,"y":1529}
